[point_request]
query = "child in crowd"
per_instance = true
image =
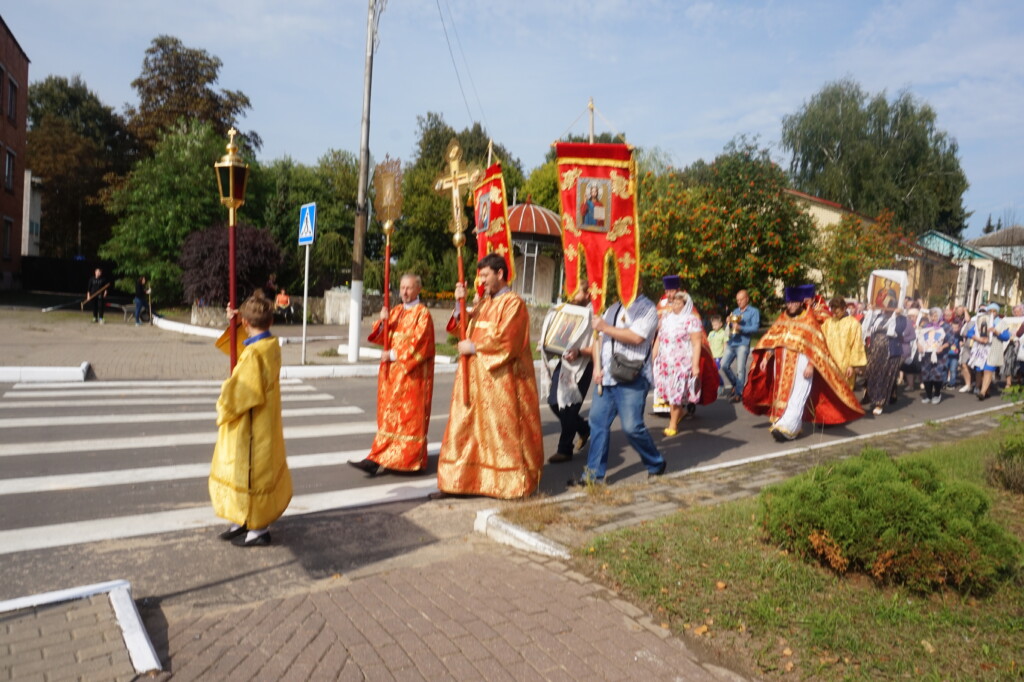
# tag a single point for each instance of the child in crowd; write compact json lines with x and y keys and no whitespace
{"x":249,"y":480}
{"x":717,"y":338}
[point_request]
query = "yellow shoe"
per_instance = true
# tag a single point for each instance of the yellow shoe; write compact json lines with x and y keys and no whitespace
{"x":670,"y":432}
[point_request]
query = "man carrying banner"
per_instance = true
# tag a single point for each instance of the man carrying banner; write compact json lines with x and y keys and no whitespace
{"x":793,"y":377}
{"x":405,"y":385}
{"x":492,"y":445}
{"x":627,"y":334}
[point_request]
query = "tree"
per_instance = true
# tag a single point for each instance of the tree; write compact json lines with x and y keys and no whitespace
{"x":852,"y":248}
{"x":178,"y":82}
{"x":869,"y":154}
{"x":989,"y":227}
{"x":163,"y":200}
{"x":74,"y":142}
{"x":740,"y":230}
{"x":204,"y":262}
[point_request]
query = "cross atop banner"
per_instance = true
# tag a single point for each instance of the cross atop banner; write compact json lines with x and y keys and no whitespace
{"x":493,"y":232}
{"x":597,"y":185}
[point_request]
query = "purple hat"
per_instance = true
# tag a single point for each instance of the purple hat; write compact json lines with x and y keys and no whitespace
{"x":672,"y":282}
{"x":799,"y":293}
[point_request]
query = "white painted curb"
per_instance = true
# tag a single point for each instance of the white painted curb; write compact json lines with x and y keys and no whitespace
{"x":43,"y":375}
{"x":136,"y":640}
{"x":498,"y":529}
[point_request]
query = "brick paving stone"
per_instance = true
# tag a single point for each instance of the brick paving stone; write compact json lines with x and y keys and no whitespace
{"x":492,"y":670}
{"x":374,"y":673}
{"x":460,"y":667}
{"x":408,"y":675}
{"x":331,"y":664}
{"x":431,"y":666}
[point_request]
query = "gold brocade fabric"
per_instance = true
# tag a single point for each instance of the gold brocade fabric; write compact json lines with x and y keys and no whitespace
{"x":771,"y":373}
{"x":249,"y":479}
{"x":492,"y":446}
{"x":845,"y":343}
{"x":404,"y":390}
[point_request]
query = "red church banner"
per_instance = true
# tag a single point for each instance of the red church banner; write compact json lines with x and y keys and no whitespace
{"x":597,"y":183}
{"x":493,"y":233}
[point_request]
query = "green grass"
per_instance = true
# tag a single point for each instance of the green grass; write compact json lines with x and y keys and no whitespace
{"x":781,"y":617}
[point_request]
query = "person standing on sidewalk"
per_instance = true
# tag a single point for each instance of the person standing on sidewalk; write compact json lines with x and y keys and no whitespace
{"x":250,"y":484}
{"x":626,"y":332}
{"x":743,"y":322}
{"x":565,"y":378}
{"x":142,"y":291}
{"x":492,"y":445}
{"x":97,"y":289}
{"x":405,"y":384}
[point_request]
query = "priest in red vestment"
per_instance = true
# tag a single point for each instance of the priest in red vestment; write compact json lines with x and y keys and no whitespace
{"x":492,"y":445}
{"x":405,"y":384}
{"x":793,"y":378}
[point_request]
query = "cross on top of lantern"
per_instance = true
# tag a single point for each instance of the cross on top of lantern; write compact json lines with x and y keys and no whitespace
{"x":232,"y":173}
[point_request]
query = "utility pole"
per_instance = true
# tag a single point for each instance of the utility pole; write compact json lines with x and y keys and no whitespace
{"x":359,"y":238}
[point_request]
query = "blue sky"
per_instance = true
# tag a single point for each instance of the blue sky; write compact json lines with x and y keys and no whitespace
{"x":684,"y":76}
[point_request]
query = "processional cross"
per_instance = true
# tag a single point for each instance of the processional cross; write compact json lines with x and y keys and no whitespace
{"x":454,"y":181}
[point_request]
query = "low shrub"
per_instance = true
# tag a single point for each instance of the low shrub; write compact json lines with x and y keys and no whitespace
{"x":898,"y":521}
{"x":1006,"y":469}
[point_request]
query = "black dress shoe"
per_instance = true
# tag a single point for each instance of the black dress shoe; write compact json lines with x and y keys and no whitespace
{"x":232,"y":533}
{"x":261,"y":540}
{"x":369,"y":466}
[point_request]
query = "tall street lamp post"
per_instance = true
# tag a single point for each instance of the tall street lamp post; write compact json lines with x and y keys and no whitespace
{"x":232,"y":174}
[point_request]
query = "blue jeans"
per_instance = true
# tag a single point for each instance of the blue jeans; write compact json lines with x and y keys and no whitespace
{"x":740,"y":354}
{"x":139,"y":306}
{"x":627,"y":402}
{"x":952,"y":364}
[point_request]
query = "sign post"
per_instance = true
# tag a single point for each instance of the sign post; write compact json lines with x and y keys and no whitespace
{"x":307,"y":229}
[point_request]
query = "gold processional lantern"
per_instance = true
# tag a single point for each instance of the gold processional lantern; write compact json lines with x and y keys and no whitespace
{"x":232,"y":174}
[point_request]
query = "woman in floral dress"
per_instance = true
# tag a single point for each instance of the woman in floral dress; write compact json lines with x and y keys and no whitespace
{"x":677,"y":358}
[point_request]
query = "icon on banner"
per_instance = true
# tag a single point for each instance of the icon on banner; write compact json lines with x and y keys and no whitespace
{"x":307,"y":224}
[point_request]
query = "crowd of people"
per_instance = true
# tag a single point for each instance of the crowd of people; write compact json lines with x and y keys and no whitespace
{"x":817,"y":362}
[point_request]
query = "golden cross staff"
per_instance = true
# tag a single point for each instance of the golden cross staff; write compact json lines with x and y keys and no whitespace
{"x":454,"y":181}
{"x":387,"y":204}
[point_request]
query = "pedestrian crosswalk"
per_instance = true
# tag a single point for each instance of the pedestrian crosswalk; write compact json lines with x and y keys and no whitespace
{"x":107,"y":460}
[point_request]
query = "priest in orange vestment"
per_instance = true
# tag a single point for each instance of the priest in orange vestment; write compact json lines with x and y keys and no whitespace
{"x":492,"y":445}
{"x":793,"y":377}
{"x":405,"y":385}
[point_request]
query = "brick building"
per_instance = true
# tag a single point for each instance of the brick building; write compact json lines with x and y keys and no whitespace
{"x":13,"y":148}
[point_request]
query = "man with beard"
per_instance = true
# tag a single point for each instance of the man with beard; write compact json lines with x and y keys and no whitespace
{"x":793,"y":377}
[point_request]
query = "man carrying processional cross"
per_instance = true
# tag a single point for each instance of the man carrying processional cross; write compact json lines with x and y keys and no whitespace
{"x":492,"y":445}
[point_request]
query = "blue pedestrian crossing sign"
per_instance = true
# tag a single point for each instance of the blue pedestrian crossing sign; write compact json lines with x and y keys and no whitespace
{"x":307,"y":224}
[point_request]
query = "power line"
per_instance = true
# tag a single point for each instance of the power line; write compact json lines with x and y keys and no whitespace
{"x":469,"y":72}
{"x":452,"y":55}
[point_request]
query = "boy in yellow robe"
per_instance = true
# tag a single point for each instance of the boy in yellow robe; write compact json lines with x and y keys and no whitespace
{"x":250,"y":484}
{"x":844,"y":339}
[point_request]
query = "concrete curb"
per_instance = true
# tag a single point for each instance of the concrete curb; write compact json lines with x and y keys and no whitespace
{"x":820,"y":446}
{"x":136,"y":639}
{"x":498,"y":529}
{"x":43,"y":375}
